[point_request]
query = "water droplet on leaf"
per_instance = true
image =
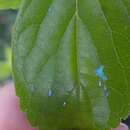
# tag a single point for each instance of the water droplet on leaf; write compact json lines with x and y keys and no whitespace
{"x":100,"y":73}
{"x":50,"y":93}
{"x":32,"y":88}
{"x":50,"y":10}
{"x":106,"y":91}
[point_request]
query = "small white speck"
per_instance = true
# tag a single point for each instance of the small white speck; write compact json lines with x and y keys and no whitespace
{"x":100,"y":83}
{"x":64,"y":104}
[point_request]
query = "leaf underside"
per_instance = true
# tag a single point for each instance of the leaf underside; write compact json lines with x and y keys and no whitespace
{"x":7,"y":4}
{"x":57,"y":47}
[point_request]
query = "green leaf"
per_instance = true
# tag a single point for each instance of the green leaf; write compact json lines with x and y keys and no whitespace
{"x":71,"y":63}
{"x":7,"y":4}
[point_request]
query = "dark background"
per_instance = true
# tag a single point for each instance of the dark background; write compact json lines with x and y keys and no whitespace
{"x":7,"y":19}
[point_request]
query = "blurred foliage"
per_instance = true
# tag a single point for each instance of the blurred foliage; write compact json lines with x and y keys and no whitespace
{"x":7,"y":4}
{"x":7,"y":19}
{"x":5,"y":66}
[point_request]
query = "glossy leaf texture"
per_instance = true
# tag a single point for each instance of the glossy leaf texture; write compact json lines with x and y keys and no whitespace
{"x":7,"y":4}
{"x":71,"y":63}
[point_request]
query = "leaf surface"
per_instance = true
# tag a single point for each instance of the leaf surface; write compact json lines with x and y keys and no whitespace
{"x":71,"y":62}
